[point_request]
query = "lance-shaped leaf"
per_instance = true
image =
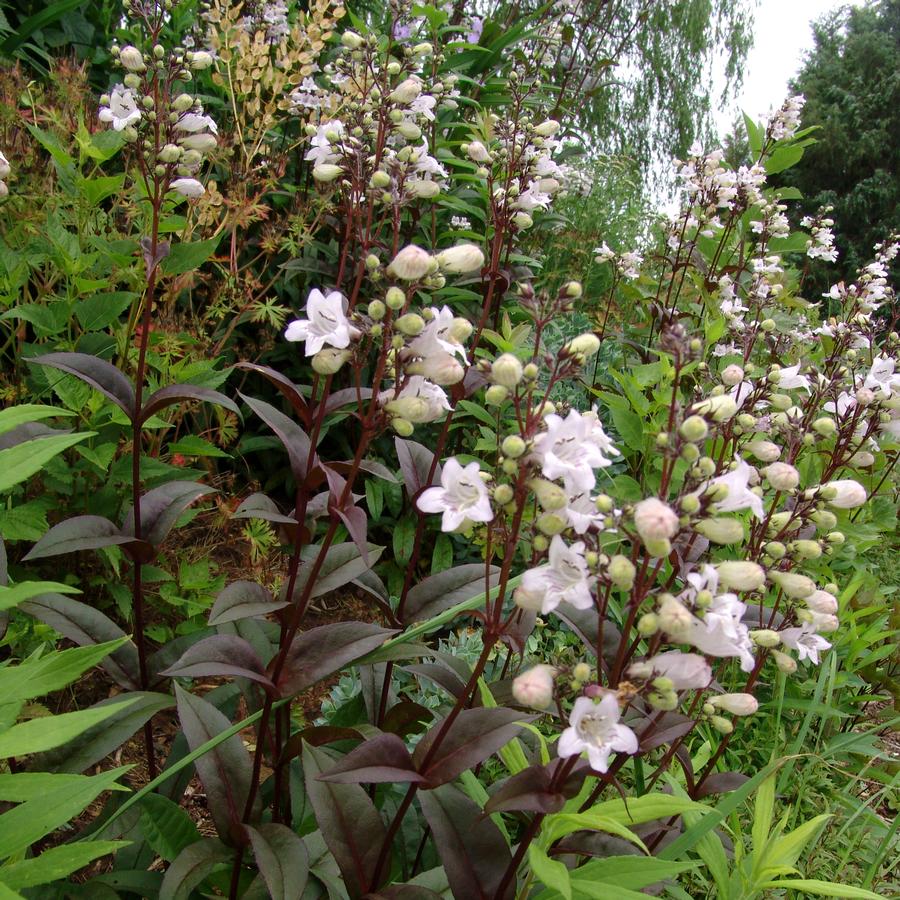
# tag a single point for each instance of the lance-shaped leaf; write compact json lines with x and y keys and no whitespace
{"x":471,"y":847}
{"x":584,"y":623}
{"x":530,"y":790}
{"x":86,"y":626}
{"x":350,"y":824}
{"x":221,"y":655}
{"x":445,"y":589}
{"x":367,"y":465}
{"x":336,"y":399}
{"x":22,"y":460}
{"x":193,"y":864}
{"x":721,"y":783}
{"x":225,"y":771}
{"x":670,"y":727}
{"x":407,"y":718}
{"x":319,"y":652}
{"x":415,"y":463}
{"x":78,"y":533}
{"x":380,"y":759}
{"x":440,"y":675}
{"x":243,"y":600}
{"x":259,"y":506}
{"x":285,"y":386}
{"x":161,"y":507}
{"x":96,"y":372}
{"x":181,"y":393}
{"x":355,"y":520}
{"x":474,"y":736}
{"x":292,"y":436}
{"x":282,"y":860}
{"x":403,"y":892}
{"x":342,"y":564}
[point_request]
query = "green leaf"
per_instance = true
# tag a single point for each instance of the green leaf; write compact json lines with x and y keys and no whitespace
{"x":818,"y":888}
{"x":100,"y":311}
{"x":189,"y":256}
{"x":629,"y":871}
{"x":50,"y":142}
{"x":786,"y":850}
{"x":55,"y":863}
{"x":95,"y":190}
{"x":21,"y":462}
{"x":550,"y":872}
{"x":561,"y":824}
{"x":783,"y":158}
{"x":763,"y":811}
{"x":167,"y":828}
{"x":13,"y":596}
{"x":403,"y":540}
{"x":629,"y":426}
{"x":191,"y":445}
{"x":23,"y":786}
{"x":28,"y":412}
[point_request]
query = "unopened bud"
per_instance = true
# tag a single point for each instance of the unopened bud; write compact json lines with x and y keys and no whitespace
{"x":621,"y":572}
{"x":721,"y":530}
{"x":506,"y":370}
{"x":513,"y":446}
{"x":694,"y":429}
{"x":765,"y":637}
{"x":495,"y":394}
{"x":793,"y":584}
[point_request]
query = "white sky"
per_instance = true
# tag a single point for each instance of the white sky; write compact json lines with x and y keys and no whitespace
{"x":782,"y":35}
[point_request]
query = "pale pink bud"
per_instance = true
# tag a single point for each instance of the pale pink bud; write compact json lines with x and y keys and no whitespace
{"x":736,"y":704}
{"x":412,"y":263}
{"x":846,"y":494}
{"x":132,"y":59}
{"x":822,"y":602}
{"x":655,"y":520}
{"x":764,"y":451}
{"x":732,"y":375}
{"x":535,"y":687}
{"x":782,"y":476}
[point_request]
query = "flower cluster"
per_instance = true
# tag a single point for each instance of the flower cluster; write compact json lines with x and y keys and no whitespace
{"x":4,"y":174}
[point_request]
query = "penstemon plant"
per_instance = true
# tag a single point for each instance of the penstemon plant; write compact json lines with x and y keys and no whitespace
{"x":675,"y":494}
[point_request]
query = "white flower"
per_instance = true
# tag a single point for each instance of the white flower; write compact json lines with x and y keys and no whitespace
{"x":327,"y":323}
{"x":805,"y":641}
{"x":571,"y":449}
{"x":685,"y":670}
{"x":188,"y":187}
{"x":581,"y":512}
{"x":847,"y":494}
{"x":739,"y":495}
{"x":790,"y":378}
{"x":883,"y":377}
{"x":477,"y":152}
{"x":564,"y":578}
{"x":122,"y":110}
{"x":721,"y":632}
{"x":321,"y":151}
{"x":844,"y":403}
{"x":736,"y":704}
{"x":462,"y":496}
{"x":4,"y":166}
{"x":595,"y":727}
{"x":424,"y":401}
{"x":535,"y":687}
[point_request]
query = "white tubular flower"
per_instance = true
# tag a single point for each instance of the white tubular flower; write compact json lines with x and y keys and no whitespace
{"x":846,"y":494}
{"x":535,"y":687}
{"x":406,"y":91}
{"x":570,"y":449}
{"x":122,"y":110}
{"x":655,"y":520}
{"x":4,"y":166}
{"x":739,"y":496}
{"x":822,"y":602}
{"x":764,"y":451}
{"x":192,"y":123}
{"x":883,"y":377}
{"x":581,"y":512}
{"x":462,"y":496}
{"x":188,"y":187}
{"x":327,"y":323}
{"x":805,"y":641}
{"x":477,"y":152}
{"x":736,"y":704}
{"x":791,"y":378}
{"x":412,"y":263}
{"x":595,"y":728}
{"x":433,"y":403}
{"x":201,"y":142}
{"x":564,"y":578}
{"x":461,"y":259}
{"x":686,"y":671}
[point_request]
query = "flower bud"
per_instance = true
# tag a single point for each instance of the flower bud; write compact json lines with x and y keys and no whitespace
{"x":804,"y":549}
{"x":412,"y":263}
{"x":793,"y":584}
{"x":461,"y":259}
{"x":741,"y":575}
{"x":621,"y":572}
{"x":513,"y":446}
{"x":584,"y":345}
{"x":721,"y":530}
{"x":132,"y":81}
{"x":719,"y":409}
{"x":732,"y":375}
{"x":824,"y":519}
{"x":785,"y":663}
{"x":865,"y":396}
{"x":503,"y":494}
{"x":522,"y":220}
{"x":329,"y":360}
{"x":530,"y":600}
{"x":581,"y":672}
{"x":380,"y":180}
{"x":351,"y":40}
{"x":765,"y":637}
{"x":824,"y":426}
{"x":132,"y":59}
{"x":674,"y":617}
{"x":395,"y":298}
{"x":406,"y":91}
{"x":822,"y":602}
{"x":495,"y":394}
{"x":655,"y":520}
{"x":846,"y":494}
{"x":547,"y":128}
{"x":550,"y":524}
{"x":169,"y":154}
{"x":411,"y":324}
{"x":862,"y":459}
{"x":188,"y":187}
{"x":782,"y":476}
{"x":550,"y":496}
{"x":722,"y":725}
{"x":403,"y":427}
{"x":573,"y":289}
{"x":409,"y":130}
{"x":776,"y":549}
{"x":326,"y":172}
{"x":648,"y":624}
{"x":764,"y":451}
{"x":736,"y":704}
{"x":201,"y":60}
{"x":694,"y":429}
{"x":506,"y":370}
{"x":665,"y":701}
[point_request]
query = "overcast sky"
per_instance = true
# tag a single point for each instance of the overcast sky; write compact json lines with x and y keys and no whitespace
{"x":783,"y":34}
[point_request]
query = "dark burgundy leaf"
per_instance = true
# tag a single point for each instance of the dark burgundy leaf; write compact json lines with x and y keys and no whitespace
{"x":440,"y":675}
{"x":584,"y":623}
{"x":317,"y":653}
{"x":78,"y":533}
{"x":317,"y":736}
{"x":519,"y":630}
{"x":348,"y":820}
{"x":286,"y":387}
{"x":28,"y":431}
{"x":191,"y":866}
{"x":669,"y":728}
{"x":367,"y":465}
{"x":180,"y":393}
{"x":474,"y":736}
{"x":415,"y":463}
{"x":85,"y":626}
{"x":282,"y":860}
{"x":721,"y":783}
{"x":221,"y":654}
{"x":471,"y":847}
{"x":243,"y":600}
{"x":527,"y":791}
{"x":292,"y":436}
{"x":403,"y":892}
{"x":352,"y":516}
{"x":436,"y":593}
{"x":98,"y":373}
{"x":407,"y":718}
{"x":161,"y":507}
{"x":342,"y":564}
{"x":337,"y":399}
{"x":154,"y":256}
{"x":596,"y":844}
{"x":173,"y":650}
{"x":259,"y":506}
{"x":380,"y":759}
{"x":225,"y":771}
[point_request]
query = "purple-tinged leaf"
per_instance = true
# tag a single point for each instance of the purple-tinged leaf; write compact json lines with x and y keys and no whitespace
{"x":98,"y":373}
{"x":78,"y":533}
{"x":436,"y":593}
{"x":584,"y":623}
{"x":352,"y":516}
{"x":475,"y":735}
{"x":415,"y":463}
{"x":367,"y":465}
{"x":721,"y":783}
{"x":193,"y":864}
{"x":161,"y":507}
{"x":471,"y":847}
{"x":243,"y":600}
{"x":153,"y":256}
{"x":406,"y":718}
{"x":221,"y":655}
{"x":259,"y":506}
{"x":225,"y":771}
{"x":440,"y":675}
{"x":319,"y":652}
{"x":595,"y":844}
{"x":292,"y":436}
{"x":317,"y":736}
{"x":348,"y":820}
{"x":342,"y":564}
{"x":336,"y":399}
{"x":519,"y":630}
{"x":282,"y":860}
{"x":181,"y":393}
{"x":403,"y":892}
{"x":669,"y":728}
{"x":530,"y":790}
{"x":173,"y":650}
{"x":381,"y":759}
{"x":285,"y":386}
{"x":86,"y":626}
